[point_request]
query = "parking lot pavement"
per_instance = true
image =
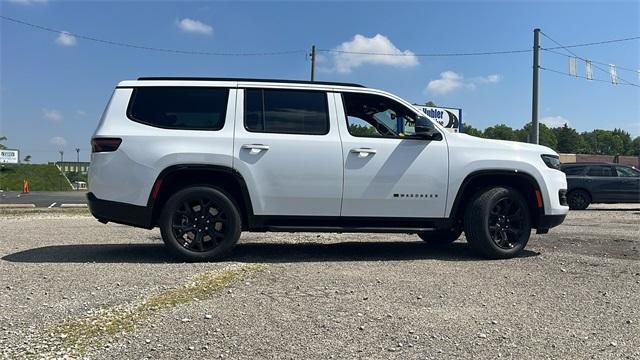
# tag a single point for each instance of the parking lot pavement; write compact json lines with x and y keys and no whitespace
{"x":71,"y":285}
{"x":46,"y":199}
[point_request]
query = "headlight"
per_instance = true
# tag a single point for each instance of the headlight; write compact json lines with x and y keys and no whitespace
{"x":552,"y":161}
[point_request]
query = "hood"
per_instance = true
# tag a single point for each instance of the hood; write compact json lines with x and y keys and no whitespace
{"x":501,"y":144}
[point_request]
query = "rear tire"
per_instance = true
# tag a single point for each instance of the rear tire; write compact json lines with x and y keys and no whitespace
{"x":497,"y":223}
{"x":578,"y":200}
{"x":440,"y":237}
{"x":200,"y":223}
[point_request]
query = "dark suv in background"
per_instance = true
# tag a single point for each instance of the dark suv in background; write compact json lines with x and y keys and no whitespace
{"x":601,"y":183}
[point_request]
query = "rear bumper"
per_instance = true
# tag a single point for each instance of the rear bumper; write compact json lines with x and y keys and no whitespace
{"x":121,"y":213}
{"x":547,"y":222}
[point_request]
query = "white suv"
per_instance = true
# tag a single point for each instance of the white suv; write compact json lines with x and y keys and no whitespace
{"x":206,"y":158}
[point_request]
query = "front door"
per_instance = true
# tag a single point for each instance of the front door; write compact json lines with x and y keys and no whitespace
{"x":628,"y":189}
{"x":387,"y":173}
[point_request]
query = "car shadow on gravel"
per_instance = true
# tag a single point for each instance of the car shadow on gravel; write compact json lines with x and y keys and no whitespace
{"x":254,"y":252}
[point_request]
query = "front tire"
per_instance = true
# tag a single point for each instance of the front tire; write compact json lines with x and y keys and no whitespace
{"x":578,"y":200}
{"x":440,"y":237}
{"x":200,"y":223}
{"x":497,"y":223}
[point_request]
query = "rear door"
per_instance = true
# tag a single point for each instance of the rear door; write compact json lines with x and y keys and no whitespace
{"x":287,"y":148}
{"x":602,"y":182}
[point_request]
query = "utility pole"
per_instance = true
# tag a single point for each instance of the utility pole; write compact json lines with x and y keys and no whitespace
{"x":77,"y":160}
{"x":313,"y":62}
{"x":61,"y":171}
{"x":535,"y":136}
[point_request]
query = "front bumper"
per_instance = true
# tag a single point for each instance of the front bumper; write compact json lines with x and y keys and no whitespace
{"x":121,"y":213}
{"x":546,"y":222}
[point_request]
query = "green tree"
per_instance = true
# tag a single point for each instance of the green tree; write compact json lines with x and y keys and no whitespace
{"x":27,"y":159}
{"x":468,"y":129}
{"x":635,"y":146}
{"x":546,"y":136}
{"x":626,"y":140}
{"x":569,"y":140}
{"x":3,"y":138}
{"x":500,"y":132}
{"x":603,"y":142}
{"x":359,"y":130}
{"x":430,"y":103}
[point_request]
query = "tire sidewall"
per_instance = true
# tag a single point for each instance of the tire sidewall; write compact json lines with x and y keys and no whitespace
{"x":524,"y":237}
{"x":580,"y":193}
{"x":221,"y":200}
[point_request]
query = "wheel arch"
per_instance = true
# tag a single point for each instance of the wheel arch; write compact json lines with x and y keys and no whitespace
{"x":176,"y":177}
{"x":525,"y":183}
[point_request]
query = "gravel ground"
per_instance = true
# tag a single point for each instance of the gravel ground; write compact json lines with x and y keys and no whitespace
{"x":73,"y":287}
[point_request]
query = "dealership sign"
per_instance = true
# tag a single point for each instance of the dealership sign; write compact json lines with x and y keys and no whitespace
{"x":450,"y":118}
{"x":9,"y":156}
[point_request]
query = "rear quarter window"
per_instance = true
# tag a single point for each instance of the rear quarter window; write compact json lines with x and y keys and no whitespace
{"x":184,"y":108}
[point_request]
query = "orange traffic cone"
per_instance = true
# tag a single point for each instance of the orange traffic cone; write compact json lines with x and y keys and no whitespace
{"x":25,"y":186}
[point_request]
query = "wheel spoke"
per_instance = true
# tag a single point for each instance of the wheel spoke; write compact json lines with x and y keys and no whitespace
{"x":180,"y":230}
{"x":198,"y":241}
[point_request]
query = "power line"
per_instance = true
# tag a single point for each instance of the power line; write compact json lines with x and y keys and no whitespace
{"x":583,"y":59}
{"x":582,"y":77}
{"x":426,"y":55}
{"x":151,"y":48}
{"x":500,"y":52}
{"x":289,"y":52}
{"x":592,"y":61}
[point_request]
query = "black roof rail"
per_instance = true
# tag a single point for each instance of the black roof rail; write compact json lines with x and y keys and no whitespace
{"x":253,"y":80}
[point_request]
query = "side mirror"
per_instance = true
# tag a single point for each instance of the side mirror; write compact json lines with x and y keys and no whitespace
{"x":425,"y":129}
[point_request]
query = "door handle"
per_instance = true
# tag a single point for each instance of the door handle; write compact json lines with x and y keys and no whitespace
{"x":363,"y":152}
{"x":255,"y":146}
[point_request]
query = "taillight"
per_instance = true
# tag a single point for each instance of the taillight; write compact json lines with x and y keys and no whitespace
{"x":105,"y":144}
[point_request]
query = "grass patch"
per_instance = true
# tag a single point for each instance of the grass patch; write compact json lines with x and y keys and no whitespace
{"x":76,"y":337}
{"x":41,"y":177}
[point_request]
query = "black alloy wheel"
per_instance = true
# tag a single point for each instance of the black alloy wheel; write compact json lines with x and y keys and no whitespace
{"x":200,"y":223}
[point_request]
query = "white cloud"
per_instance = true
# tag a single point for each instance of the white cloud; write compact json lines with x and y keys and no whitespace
{"x":358,"y":52}
{"x":53,"y":115}
{"x":81,"y":113}
{"x":491,"y":79}
{"x":58,"y":141}
{"x":450,"y":81}
{"x":66,"y":39}
{"x":195,"y":26}
{"x":554,"y":121}
{"x":27,"y":2}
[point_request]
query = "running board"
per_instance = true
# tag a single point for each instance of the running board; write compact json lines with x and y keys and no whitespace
{"x":339,"y":229}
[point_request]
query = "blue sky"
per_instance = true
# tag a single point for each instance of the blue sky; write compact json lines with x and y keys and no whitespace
{"x":54,"y":88}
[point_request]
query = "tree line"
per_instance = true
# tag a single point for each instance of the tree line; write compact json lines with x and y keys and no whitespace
{"x":565,"y":139}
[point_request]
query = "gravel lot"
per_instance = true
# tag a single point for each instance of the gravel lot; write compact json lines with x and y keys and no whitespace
{"x":71,"y":286}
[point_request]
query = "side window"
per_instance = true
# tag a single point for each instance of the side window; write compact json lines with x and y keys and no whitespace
{"x":627,"y":171}
{"x":185,"y":108}
{"x":600,"y":170}
{"x":372,"y":115}
{"x":573,"y":170}
{"x":286,"y":111}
